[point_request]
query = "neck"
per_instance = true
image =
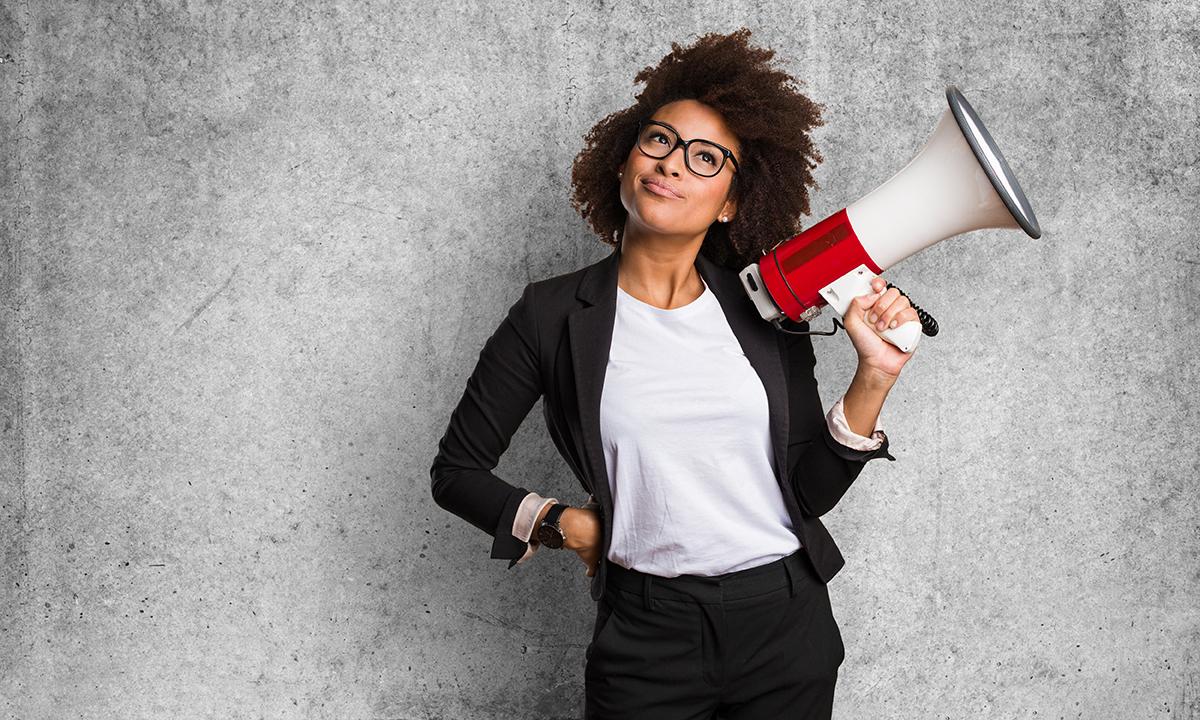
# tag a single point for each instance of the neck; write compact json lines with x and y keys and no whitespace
{"x":660,"y":273}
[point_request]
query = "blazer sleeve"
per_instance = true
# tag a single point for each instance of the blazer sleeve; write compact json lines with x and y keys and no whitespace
{"x":500,"y":392}
{"x":821,"y":468}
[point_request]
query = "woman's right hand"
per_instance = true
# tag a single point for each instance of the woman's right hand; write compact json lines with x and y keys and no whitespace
{"x":582,"y":527}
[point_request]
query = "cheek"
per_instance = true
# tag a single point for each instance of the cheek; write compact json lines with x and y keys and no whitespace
{"x":709,"y":201}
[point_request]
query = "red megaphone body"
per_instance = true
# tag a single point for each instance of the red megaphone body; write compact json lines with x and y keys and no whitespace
{"x":957,"y":183}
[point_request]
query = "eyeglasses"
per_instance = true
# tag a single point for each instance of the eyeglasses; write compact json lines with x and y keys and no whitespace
{"x":703,"y":157}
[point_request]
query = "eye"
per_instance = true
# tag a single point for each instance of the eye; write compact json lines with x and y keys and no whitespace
{"x":655,"y":135}
{"x":708,"y":158}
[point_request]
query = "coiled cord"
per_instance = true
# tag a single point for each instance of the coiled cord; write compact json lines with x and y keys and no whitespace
{"x":929,"y":326}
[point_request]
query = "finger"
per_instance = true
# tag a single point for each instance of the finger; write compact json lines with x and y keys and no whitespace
{"x":862,"y":303}
{"x":906,"y":315}
{"x":888,"y":317}
{"x":878,"y":283}
{"x":882,"y":303}
{"x":856,"y":313}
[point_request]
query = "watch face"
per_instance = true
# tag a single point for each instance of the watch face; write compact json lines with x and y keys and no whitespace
{"x":549,"y":536}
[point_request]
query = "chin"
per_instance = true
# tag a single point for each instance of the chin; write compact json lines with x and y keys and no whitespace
{"x":663,"y":219}
{"x":671,"y":230}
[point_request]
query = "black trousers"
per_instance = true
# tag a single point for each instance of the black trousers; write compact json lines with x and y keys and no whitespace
{"x":757,"y":643}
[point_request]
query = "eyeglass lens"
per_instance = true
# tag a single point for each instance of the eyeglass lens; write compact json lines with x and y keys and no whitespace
{"x":703,"y":158}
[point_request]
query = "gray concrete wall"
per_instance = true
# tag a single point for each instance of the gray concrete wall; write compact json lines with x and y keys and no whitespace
{"x":250,"y":255}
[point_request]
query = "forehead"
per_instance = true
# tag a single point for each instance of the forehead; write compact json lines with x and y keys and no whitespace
{"x":694,"y":119}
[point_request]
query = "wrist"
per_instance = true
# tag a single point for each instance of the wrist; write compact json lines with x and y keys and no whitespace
{"x":554,"y":514}
{"x":542,"y":516}
{"x":537,"y":523}
{"x":570,"y":528}
{"x":872,"y":378}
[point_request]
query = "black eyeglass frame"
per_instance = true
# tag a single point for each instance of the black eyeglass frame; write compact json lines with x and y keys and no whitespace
{"x":725,"y":152}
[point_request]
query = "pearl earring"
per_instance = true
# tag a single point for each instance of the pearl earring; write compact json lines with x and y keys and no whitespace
{"x":724,"y":218}
{"x":618,"y":174}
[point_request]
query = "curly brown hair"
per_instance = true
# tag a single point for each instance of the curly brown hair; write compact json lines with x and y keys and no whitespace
{"x":763,"y":108}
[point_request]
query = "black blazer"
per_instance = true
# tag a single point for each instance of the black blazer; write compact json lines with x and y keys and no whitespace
{"x":554,"y":344}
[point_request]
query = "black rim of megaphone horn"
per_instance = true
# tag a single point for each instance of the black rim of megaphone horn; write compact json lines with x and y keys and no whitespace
{"x":992,"y":162}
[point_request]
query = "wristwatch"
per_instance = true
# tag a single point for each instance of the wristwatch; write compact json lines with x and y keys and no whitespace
{"x":549,"y":533}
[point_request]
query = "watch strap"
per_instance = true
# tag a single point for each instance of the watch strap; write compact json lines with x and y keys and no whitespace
{"x":552,"y":515}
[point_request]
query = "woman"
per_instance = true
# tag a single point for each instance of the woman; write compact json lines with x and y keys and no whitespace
{"x":695,"y":426}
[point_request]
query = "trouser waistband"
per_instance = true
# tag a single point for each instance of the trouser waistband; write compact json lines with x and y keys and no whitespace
{"x":786,"y":572}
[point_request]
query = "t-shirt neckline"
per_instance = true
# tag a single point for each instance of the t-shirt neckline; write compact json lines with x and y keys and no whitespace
{"x":673,"y":313}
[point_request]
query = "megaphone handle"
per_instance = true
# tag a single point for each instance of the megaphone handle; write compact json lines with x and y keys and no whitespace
{"x":858,"y":283}
{"x":905,"y":336}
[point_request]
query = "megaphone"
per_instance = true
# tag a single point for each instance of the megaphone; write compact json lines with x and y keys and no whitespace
{"x":957,"y":183}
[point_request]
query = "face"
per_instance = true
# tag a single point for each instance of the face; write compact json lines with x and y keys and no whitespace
{"x":701,"y":200}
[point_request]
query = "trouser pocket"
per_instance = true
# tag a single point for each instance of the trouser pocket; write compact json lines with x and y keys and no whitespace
{"x":604,"y":611}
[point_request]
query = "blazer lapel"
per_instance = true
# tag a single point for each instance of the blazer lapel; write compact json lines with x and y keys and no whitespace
{"x":590,"y":335}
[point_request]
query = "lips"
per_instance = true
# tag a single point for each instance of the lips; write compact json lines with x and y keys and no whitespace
{"x":660,"y":188}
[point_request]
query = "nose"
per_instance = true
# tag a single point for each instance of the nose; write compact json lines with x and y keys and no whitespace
{"x":672,"y":164}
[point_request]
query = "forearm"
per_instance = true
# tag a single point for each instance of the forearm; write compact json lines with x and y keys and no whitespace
{"x":864,"y":399}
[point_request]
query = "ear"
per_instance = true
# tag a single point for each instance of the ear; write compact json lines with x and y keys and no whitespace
{"x":731,"y":200}
{"x":729,"y":209}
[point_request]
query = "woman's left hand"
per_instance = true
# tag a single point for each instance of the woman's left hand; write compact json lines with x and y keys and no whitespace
{"x":889,"y":309}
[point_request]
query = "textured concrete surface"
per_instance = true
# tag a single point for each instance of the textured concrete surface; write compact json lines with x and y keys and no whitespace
{"x":251,"y":252}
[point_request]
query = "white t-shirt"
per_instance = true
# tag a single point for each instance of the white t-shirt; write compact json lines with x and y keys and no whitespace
{"x":686,"y":435}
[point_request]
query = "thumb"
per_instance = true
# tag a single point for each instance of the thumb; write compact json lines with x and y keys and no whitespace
{"x":859,"y":306}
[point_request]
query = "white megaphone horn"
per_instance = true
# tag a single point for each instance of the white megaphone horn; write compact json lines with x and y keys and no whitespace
{"x":958,"y":182}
